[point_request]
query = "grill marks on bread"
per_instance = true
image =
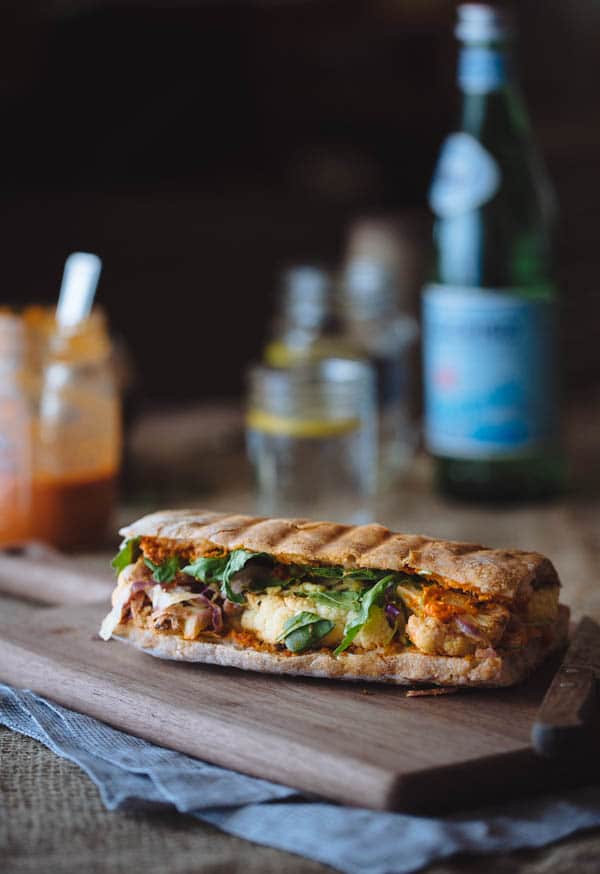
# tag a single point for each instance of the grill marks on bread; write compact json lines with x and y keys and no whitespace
{"x":504,"y":574}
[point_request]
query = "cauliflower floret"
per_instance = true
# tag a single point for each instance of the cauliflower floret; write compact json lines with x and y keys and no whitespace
{"x":438,"y":638}
{"x":460,"y":635}
{"x":266,"y":614}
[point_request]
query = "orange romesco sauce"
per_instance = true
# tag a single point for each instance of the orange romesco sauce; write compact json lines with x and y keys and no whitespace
{"x":67,"y":512}
{"x":73,"y":513}
{"x":14,"y":511}
{"x":444,"y":605}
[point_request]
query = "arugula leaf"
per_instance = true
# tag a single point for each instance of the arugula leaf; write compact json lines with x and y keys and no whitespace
{"x":345,"y":598}
{"x":165,"y":572}
{"x":338,"y":573}
{"x":368,"y":600}
{"x":363,"y":574}
{"x":304,"y":630}
{"x":325,"y":573}
{"x":238,"y":559}
{"x":127,"y":554}
{"x":306,"y":637}
{"x":207,"y":570}
{"x":221,"y":570}
{"x":297,"y":621}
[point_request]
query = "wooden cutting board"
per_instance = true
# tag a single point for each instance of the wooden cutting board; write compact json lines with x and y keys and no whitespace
{"x":360,"y":744}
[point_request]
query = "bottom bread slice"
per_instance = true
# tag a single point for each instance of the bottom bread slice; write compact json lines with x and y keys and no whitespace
{"x":407,"y":667}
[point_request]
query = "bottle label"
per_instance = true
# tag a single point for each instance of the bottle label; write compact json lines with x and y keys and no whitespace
{"x":465,"y":178}
{"x":481,"y":69}
{"x":489,"y":372}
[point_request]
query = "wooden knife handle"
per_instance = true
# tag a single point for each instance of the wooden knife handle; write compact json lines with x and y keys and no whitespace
{"x":43,"y":575}
{"x":566,"y":721}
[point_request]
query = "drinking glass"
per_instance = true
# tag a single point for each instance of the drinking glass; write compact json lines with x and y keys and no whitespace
{"x":312,"y":439}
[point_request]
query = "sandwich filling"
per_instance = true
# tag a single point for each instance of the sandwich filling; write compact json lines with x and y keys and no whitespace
{"x":256,"y":601}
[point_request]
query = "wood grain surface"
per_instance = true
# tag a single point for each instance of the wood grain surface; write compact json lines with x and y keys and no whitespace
{"x":41,"y":574}
{"x":369,"y":746}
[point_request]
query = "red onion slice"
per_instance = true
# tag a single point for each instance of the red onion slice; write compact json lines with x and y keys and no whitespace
{"x":469,"y":628}
{"x":141,"y":585}
{"x":392,"y":612}
{"x":217,"y":618}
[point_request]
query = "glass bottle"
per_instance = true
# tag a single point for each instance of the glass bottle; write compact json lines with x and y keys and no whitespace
{"x":489,"y":313}
{"x":387,"y":337}
{"x":307,"y":326}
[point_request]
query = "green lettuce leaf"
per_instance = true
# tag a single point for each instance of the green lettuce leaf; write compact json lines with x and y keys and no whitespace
{"x":238,"y":559}
{"x":371,"y":597}
{"x":221,"y":570}
{"x":127,"y":554}
{"x":165,"y":572}
{"x":339,"y":573}
{"x":207,"y":570}
{"x":362,"y":574}
{"x":323,"y":573}
{"x":345,"y":598}
{"x":302,"y":631}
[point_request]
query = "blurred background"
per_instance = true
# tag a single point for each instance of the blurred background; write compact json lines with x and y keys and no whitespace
{"x":201,"y":147}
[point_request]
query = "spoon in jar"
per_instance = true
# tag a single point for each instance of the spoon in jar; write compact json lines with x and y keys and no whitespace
{"x":78,"y":288}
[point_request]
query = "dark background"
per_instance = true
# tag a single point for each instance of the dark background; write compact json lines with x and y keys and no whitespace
{"x":200,"y":146}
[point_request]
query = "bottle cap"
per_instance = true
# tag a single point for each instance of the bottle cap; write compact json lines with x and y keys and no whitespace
{"x":306,"y":279}
{"x":482,"y":22}
{"x":307,"y":291}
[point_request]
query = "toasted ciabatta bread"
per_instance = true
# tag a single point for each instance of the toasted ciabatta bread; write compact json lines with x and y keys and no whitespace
{"x":296,"y":596}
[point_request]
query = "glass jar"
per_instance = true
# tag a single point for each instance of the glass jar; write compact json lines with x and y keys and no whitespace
{"x":66,"y":395}
{"x":16,"y":430}
{"x":312,"y":438}
{"x":78,"y":446}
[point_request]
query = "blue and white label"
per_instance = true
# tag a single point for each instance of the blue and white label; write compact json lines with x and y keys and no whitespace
{"x":466,"y":176}
{"x":489,"y":372}
{"x":481,"y":69}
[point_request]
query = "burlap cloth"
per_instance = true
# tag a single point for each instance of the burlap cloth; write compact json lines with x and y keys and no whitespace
{"x":52,"y":820}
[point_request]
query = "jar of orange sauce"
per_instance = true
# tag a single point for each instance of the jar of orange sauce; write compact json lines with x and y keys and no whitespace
{"x":60,"y":430}
{"x":17,"y":400}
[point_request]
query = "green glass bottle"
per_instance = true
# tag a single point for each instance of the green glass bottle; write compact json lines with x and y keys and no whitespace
{"x":490,"y":311}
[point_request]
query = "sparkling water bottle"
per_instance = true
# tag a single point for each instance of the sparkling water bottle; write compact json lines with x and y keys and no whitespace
{"x":490,"y":311}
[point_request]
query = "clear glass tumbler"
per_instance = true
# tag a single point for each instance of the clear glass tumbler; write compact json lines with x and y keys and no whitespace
{"x":312,"y":439}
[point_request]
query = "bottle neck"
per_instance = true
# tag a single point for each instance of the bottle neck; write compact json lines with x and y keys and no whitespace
{"x":492,"y":104}
{"x":485,"y":68}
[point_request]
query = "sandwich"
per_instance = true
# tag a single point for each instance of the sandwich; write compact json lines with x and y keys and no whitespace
{"x":294,"y":596}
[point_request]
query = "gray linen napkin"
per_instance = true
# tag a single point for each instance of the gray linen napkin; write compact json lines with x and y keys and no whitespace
{"x":129,"y":771}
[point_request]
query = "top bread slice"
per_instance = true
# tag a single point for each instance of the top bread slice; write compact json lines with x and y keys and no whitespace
{"x":494,"y":573}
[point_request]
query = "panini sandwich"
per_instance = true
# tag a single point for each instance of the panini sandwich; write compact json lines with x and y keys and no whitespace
{"x":295,"y":596}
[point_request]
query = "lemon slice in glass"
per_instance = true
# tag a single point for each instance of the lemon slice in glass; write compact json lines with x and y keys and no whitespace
{"x":286,"y":426}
